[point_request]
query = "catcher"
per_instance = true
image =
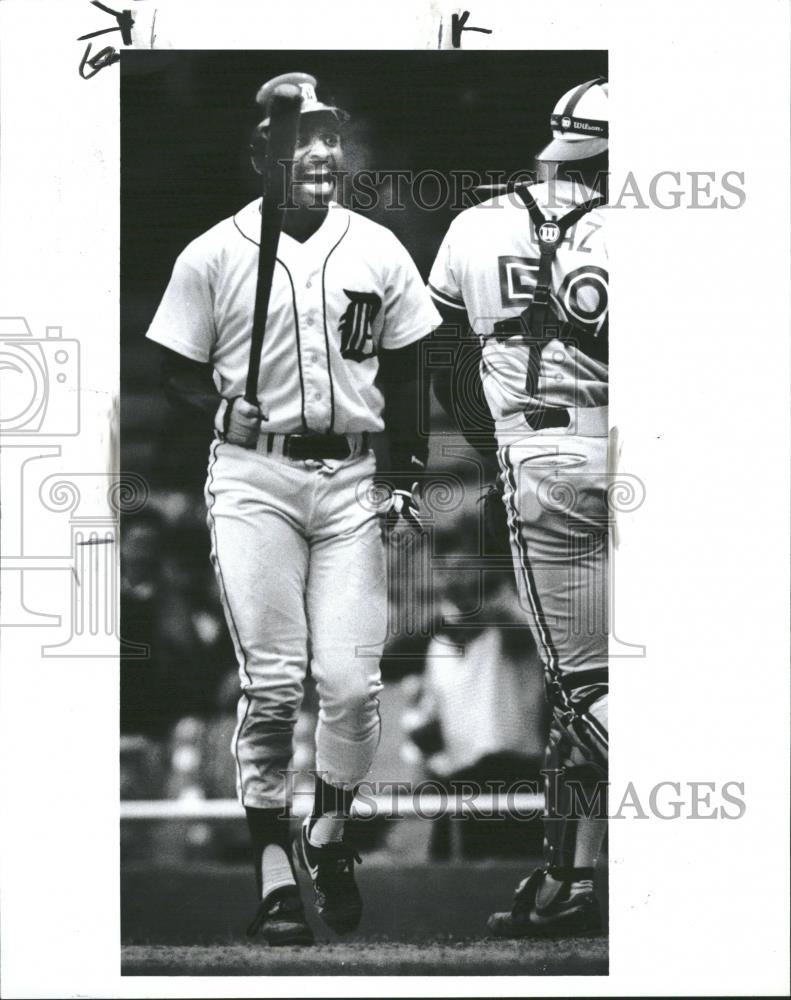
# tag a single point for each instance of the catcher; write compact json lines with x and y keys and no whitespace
{"x":525,"y":272}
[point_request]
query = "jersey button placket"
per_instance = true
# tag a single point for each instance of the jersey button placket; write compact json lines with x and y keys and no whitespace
{"x":314,"y":375}
{"x":313,"y":347}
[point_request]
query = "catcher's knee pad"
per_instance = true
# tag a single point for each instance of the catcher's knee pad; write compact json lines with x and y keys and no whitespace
{"x":579,"y":708}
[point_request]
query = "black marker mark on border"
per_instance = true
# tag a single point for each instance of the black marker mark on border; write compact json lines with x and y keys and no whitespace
{"x":125,"y":20}
{"x":108,"y":55}
{"x":458,"y":23}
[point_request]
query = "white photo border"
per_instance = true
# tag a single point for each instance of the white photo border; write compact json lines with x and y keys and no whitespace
{"x":700,"y":363}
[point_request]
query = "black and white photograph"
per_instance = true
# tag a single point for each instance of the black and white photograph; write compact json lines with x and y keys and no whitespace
{"x":378,"y":623}
{"x":376,"y":385}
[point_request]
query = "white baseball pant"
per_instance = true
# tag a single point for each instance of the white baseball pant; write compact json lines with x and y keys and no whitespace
{"x":555,"y":492}
{"x":301,"y":568}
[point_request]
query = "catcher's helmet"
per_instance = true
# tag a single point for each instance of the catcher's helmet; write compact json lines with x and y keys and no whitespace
{"x":311,"y":105}
{"x":580,"y":123}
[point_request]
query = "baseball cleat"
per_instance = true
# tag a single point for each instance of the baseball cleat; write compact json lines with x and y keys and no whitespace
{"x":331,"y":870}
{"x":281,"y":919}
{"x":544,"y":907}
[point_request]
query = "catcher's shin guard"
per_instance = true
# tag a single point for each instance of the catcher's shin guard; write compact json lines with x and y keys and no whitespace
{"x":575,"y":790}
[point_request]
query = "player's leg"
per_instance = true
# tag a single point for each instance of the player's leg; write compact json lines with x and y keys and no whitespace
{"x":558,"y":898}
{"x":347,"y":609}
{"x":253,"y":505}
{"x":560,"y":542}
{"x":556,"y":497}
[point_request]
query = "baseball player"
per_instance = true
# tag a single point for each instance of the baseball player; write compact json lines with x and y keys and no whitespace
{"x":526,"y":272}
{"x":297,"y":543}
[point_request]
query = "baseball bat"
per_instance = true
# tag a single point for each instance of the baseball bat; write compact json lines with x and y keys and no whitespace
{"x":283,"y":122}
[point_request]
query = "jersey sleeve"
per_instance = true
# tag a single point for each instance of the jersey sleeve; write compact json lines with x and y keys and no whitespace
{"x":409,"y":313}
{"x":444,"y":282}
{"x":184,"y":321}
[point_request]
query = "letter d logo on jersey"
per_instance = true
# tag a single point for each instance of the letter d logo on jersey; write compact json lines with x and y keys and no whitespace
{"x":355,"y":325}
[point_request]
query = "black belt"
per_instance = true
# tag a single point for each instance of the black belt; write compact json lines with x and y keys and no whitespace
{"x":316,"y":446}
{"x":540,"y":417}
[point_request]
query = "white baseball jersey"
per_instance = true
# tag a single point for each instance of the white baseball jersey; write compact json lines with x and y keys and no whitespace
{"x":336,"y":299}
{"x":487,"y":266}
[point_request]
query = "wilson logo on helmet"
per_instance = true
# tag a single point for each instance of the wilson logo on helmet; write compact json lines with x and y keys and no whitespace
{"x":587,"y":125}
{"x":579,"y":123}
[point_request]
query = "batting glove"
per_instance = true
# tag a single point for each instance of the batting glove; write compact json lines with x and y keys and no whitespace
{"x":241,"y":422}
{"x":405,"y":509}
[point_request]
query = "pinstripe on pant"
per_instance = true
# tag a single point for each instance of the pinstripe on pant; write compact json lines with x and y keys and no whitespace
{"x":555,"y":491}
{"x":300,"y":564}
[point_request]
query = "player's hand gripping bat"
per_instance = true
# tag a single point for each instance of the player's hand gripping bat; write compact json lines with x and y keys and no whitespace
{"x":283,"y":122}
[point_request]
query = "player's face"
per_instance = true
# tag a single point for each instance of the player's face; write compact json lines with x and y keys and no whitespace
{"x":317,"y":159}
